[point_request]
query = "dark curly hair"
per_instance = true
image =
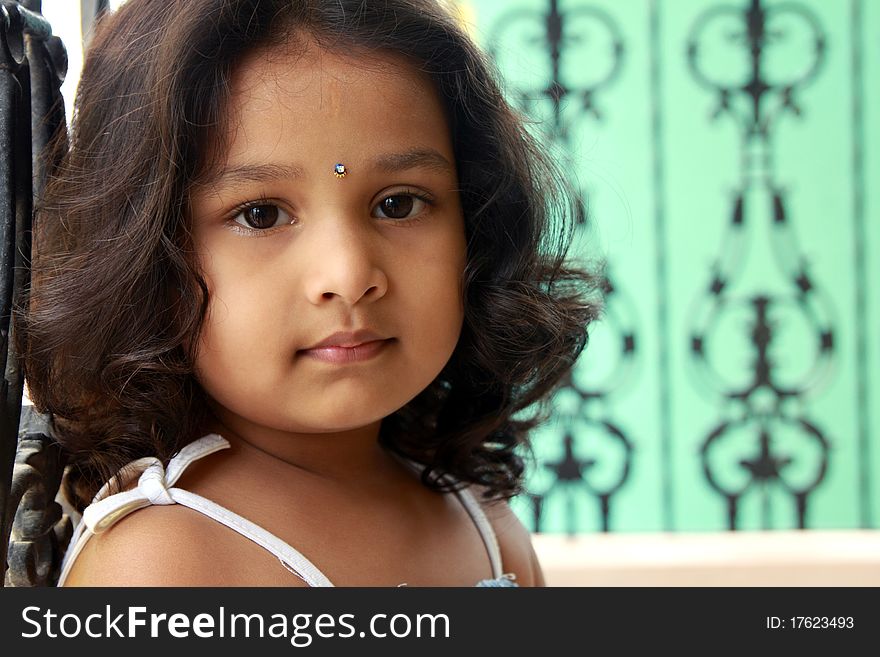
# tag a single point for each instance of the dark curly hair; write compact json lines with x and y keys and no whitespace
{"x":107,"y":335}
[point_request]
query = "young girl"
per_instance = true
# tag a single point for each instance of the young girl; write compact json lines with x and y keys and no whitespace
{"x":298,"y":288}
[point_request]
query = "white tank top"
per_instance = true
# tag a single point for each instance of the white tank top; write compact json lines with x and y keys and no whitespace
{"x":156,"y":486}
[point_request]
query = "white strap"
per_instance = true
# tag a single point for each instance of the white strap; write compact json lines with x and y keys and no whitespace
{"x":155,"y":487}
{"x":475,"y":511}
{"x":484,"y":527}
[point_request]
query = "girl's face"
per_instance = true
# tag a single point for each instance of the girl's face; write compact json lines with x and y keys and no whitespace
{"x":334,"y":299}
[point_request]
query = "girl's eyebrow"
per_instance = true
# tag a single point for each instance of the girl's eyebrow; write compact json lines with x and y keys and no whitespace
{"x":256,"y":173}
{"x":416,"y":158}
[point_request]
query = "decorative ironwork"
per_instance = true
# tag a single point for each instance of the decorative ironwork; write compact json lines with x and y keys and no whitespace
{"x":597,"y":455}
{"x":587,"y":31}
{"x":40,"y":530}
{"x":763,"y":395}
{"x":566,"y":40}
{"x":32,"y":67}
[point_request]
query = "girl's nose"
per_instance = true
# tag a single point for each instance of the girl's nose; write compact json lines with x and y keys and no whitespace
{"x":345,"y":266}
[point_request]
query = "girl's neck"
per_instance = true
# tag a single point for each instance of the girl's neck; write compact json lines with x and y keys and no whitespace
{"x":352,"y":458}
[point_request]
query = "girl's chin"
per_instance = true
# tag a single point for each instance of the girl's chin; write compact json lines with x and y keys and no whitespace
{"x":329,"y":412}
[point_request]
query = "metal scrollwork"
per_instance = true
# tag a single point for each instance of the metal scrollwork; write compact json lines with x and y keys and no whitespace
{"x":585,"y":49}
{"x":40,"y":530}
{"x":737,"y":320}
{"x":596,"y":455}
{"x":580,"y":53}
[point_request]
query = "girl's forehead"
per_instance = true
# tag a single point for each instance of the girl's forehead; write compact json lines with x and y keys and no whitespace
{"x":299,"y":69}
{"x":298,"y":100}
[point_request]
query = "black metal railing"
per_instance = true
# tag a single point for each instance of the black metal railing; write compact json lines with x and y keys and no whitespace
{"x":33,"y":63}
{"x":760,"y":394}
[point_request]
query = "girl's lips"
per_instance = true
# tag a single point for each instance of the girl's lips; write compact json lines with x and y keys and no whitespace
{"x":343,"y":355}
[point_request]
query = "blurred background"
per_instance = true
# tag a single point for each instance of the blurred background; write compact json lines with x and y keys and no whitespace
{"x":727,"y":154}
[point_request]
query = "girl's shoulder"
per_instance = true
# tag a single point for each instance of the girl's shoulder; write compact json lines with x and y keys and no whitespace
{"x":173,"y":545}
{"x":514,"y":540}
{"x":166,"y":545}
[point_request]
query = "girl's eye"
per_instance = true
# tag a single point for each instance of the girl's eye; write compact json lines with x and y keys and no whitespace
{"x":400,"y":206}
{"x":262,"y":216}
